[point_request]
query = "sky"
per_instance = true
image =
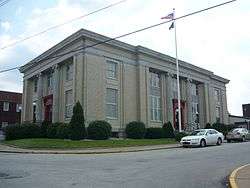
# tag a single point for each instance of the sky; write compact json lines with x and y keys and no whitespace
{"x":217,"y":40}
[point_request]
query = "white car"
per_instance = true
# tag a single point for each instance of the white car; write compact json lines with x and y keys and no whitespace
{"x":202,"y":137}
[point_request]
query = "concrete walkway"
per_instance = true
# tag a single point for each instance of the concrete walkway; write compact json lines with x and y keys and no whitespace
{"x":240,"y":177}
{"x":8,"y":149}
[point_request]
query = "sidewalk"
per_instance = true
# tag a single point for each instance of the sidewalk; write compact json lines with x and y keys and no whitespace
{"x":8,"y":149}
{"x":240,"y":177}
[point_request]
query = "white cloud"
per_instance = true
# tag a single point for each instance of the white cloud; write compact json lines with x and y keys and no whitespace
{"x":5,"y":25}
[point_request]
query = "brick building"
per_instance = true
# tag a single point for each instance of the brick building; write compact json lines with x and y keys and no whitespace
{"x":10,"y":108}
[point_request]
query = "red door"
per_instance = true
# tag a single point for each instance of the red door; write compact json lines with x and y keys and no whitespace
{"x":176,"y":111}
{"x":48,"y":106}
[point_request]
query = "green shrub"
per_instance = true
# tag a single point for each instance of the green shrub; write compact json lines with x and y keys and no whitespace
{"x":154,"y":133}
{"x":168,"y":131}
{"x":52,"y":130}
{"x":135,"y":129}
{"x":44,"y":128}
{"x":180,"y":135}
{"x":208,"y":126}
{"x":99,"y":130}
{"x":76,"y":125}
{"x":62,"y":131}
{"x":27,"y":130}
{"x":223,"y":128}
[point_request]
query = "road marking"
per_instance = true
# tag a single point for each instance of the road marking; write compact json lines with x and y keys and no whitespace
{"x":232,"y":177}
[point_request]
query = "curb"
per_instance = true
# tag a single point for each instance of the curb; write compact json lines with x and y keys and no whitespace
{"x":232,"y":177}
{"x":86,"y":152}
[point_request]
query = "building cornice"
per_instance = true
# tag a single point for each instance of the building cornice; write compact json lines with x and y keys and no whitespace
{"x":95,"y":37}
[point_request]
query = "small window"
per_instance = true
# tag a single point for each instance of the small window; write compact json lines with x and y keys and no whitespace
{"x":6,"y":106}
{"x":68,"y":104}
{"x":111,"y":103}
{"x":18,"y":107}
{"x":155,"y":80}
{"x":49,"y":81}
{"x":4,"y":124}
{"x":69,"y":72}
{"x":111,"y":69}
{"x":217,"y":114}
{"x":35,"y":85}
{"x":217,"y":96}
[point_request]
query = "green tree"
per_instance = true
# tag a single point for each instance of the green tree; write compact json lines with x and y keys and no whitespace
{"x":168,"y":131}
{"x":76,"y":125}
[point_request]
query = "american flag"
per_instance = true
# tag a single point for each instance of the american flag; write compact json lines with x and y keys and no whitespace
{"x":170,"y":16}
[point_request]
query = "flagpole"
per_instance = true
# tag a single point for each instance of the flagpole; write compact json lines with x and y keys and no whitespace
{"x":177,"y":73}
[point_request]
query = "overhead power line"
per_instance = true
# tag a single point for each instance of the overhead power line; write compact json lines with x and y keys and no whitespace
{"x":127,"y":34}
{"x":61,"y":24}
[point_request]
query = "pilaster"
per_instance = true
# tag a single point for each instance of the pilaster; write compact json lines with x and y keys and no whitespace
{"x":56,"y":91}
{"x":39,"y":102}
{"x":189,"y":105}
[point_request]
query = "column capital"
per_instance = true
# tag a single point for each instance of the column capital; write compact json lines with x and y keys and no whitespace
{"x":170,"y":74}
{"x":54,"y":67}
{"x":189,"y":80}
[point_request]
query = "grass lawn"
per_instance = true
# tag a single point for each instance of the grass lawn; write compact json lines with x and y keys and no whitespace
{"x":43,"y":143}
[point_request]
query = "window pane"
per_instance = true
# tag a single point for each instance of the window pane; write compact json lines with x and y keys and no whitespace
{"x":111,"y":71}
{"x":69,"y":72}
{"x":111,"y":103}
{"x":68,"y":103}
{"x":6,"y":106}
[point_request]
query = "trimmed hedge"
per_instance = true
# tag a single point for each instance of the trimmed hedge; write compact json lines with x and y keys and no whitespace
{"x":44,"y":128}
{"x":99,"y":130}
{"x":52,"y":130}
{"x":62,"y":131}
{"x":168,"y":131}
{"x":180,"y":135}
{"x":76,"y":125}
{"x":13,"y":132}
{"x":154,"y":133}
{"x":135,"y":130}
{"x":208,"y":126}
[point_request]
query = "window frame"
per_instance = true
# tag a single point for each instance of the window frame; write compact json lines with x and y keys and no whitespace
{"x":68,"y":106}
{"x":69,"y":72}
{"x":114,"y":72}
{"x":6,"y":106}
{"x":35,"y":85}
{"x":114,"y":104}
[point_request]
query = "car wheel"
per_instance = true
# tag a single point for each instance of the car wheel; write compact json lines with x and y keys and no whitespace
{"x":243,"y":139}
{"x":219,"y":141}
{"x":203,"y":143}
{"x":228,"y":141}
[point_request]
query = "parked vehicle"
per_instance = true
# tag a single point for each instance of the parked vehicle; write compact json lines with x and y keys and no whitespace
{"x":202,"y":138}
{"x":239,"y":134}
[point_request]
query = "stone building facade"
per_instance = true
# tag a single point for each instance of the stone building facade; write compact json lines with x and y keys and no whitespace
{"x":120,"y":83}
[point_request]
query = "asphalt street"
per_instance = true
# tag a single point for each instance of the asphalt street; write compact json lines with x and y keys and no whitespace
{"x":173,"y":168}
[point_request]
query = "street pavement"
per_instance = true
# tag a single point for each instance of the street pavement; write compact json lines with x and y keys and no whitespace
{"x":173,"y":168}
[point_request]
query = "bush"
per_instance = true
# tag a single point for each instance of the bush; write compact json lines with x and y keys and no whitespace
{"x":223,"y":128}
{"x":44,"y":128}
{"x":17,"y":131}
{"x":168,"y":131}
{"x":62,"y":131}
{"x":76,"y":125}
{"x":99,"y":130}
{"x":135,"y":129}
{"x":208,"y":126}
{"x":154,"y":133}
{"x":52,"y":130}
{"x":180,"y":135}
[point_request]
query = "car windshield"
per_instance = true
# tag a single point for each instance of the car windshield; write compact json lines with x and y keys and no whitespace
{"x":235,"y":130}
{"x":198,"y":133}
